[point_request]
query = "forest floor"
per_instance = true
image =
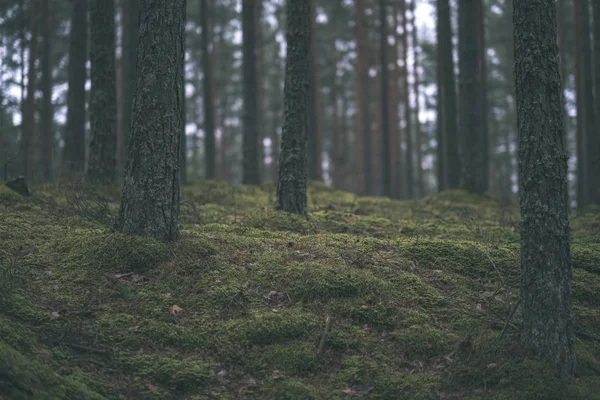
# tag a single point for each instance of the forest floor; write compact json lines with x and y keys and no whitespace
{"x":417,"y":294}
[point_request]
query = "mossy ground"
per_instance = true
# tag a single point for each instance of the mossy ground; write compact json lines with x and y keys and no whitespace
{"x":417,"y":291}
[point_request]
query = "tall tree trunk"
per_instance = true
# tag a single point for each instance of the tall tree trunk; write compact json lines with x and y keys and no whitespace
{"x":483,"y":97}
{"x":546,"y":296}
{"x":314,"y":145}
{"x":103,"y":101}
{"x":336,"y":158}
{"x":562,"y":51}
{"x":451,"y":167}
{"x":441,"y":173}
{"x":47,"y":117}
{"x":594,"y":140}
{"x":410,"y":180}
{"x":394,"y":94}
{"x":150,"y":200}
{"x":363,"y":158}
{"x":417,"y":83}
{"x":291,"y":186}
{"x":183,"y":147}
{"x":260,"y":84}
{"x":74,"y":150}
{"x":251,"y":153}
{"x":470,"y":99}
{"x":131,"y":14}
{"x":28,"y":123}
{"x":386,"y":178}
{"x":208,"y":99}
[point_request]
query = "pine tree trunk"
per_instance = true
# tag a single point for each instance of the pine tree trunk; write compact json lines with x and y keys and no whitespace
{"x":562,"y":47}
{"x":103,"y":100}
{"x":314,"y":138}
{"x":410,"y":180}
{"x":28,"y":123}
{"x":47,"y":117}
{"x":418,"y":128}
{"x":483,"y":97}
{"x":131,"y":14}
{"x":74,"y":150}
{"x":386,"y":178}
{"x":397,"y":180}
{"x":150,"y":200}
{"x":208,"y":99}
{"x":364,"y":172}
{"x":594,"y":140}
{"x":291,"y":186}
{"x":546,"y":297}
{"x":451,"y":166}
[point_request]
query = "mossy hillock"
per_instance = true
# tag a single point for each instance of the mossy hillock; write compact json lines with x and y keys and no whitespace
{"x":418,"y":293}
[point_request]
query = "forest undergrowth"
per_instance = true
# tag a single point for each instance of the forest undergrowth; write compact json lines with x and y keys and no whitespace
{"x":370,"y":298}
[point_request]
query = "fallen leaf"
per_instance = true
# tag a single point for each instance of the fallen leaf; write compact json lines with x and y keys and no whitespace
{"x":348,"y":391}
{"x":55,"y":314}
{"x":479,"y":307}
{"x":176,"y":309}
{"x":167,"y":296}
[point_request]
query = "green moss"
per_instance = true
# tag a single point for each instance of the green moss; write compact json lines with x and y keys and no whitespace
{"x":9,"y":197}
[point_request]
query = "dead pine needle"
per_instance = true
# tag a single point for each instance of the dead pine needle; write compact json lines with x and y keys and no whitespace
{"x":324,"y":336}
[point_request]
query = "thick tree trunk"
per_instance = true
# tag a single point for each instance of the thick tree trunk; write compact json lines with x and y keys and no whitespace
{"x":103,"y":100}
{"x":131,"y":16}
{"x":471,"y":121}
{"x":208,"y":99}
{"x":251,"y":153}
{"x":47,"y":117}
{"x":418,"y":128}
{"x":548,"y":325}
{"x":74,"y":150}
{"x":451,"y":166}
{"x":28,"y":123}
{"x":314,"y":144}
{"x":291,"y":186}
{"x":150,"y":200}
{"x":594,"y":140}
{"x":364,"y":171}
{"x":410,"y":180}
{"x":386,"y":178}
{"x":562,"y":51}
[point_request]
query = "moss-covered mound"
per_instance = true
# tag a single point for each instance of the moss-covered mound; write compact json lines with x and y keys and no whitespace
{"x":417,"y":293}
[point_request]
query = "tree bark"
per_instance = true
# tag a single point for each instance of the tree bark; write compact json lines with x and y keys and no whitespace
{"x":208,"y":100}
{"x":364,"y":172}
{"x":546,"y":297}
{"x":150,"y":200}
{"x":28,"y":123}
{"x":314,"y":145}
{"x":417,"y":83}
{"x":251,"y":153}
{"x":103,"y":100}
{"x":594,"y":140}
{"x":47,"y":117}
{"x":291,"y":186}
{"x":410,"y":180}
{"x":74,"y":150}
{"x":386,"y":178}
{"x":483,"y":97}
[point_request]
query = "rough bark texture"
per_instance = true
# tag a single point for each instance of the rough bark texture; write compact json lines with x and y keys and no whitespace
{"x":47,"y":117}
{"x":74,"y":150}
{"x":470,"y":109}
{"x":291,"y":186}
{"x":548,"y":326}
{"x":417,"y":82}
{"x":364,"y":172}
{"x":251,"y":152}
{"x":594,"y":140}
{"x":314,"y":139}
{"x":150,"y":200}
{"x":208,"y":99}
{"x":447,"y":96}
{"x":103,"y":98}
{"x":386,"y":173}
{"x":131,"y":16}
{"x":410,"y":180}
{"x":28,"y":123}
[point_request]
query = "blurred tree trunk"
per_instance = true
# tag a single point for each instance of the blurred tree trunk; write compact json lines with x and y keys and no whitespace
{"x":314,"y":145}
{"x":131,"y":14}
{"x":47,"y":117}
{"x":594,"y":145}
{"x":410,"y":180}
{"x":251,"y":152}
{"x":483,"y":96}
{"x":386,"y":179}
{"x":28,"y":123}
{"x":363,"y":120}
{"x":150,"y":199}
{"x":291,"y":185}
{"x":209,"y":96}
{"x":417,"y":82}
{"x":74,"y":150}
{"x":394,"y":93}
{"x":103,"y":101}
{"x":260,"y":85}
{"x":546,"y":295}
{"x":450,"y":166}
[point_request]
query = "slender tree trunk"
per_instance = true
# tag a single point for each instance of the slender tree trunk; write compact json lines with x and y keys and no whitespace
{"x":47,"y":117}
{"x":386,"y":178}
{"x":363,"y":123}
{"x":74,"y":150}
{"x":28,"y":124}
{"x":314,"y":145}
{"x":441,"y":173}
{"x":471,"y":121}
{"x":131,"y":14}
{"x":594,"y":140}
{"x":251,"y":152}
{"x":394,"y":94}
{"x":448,"y":96}
{"x":417,"y":83}
{"x":291,"y":186}
{"x":183,"y":147}
{"x":337,"y":164}
{"x":546,"y":296}
{"x":150,"y":200}
{"x":208,"y":99}
{"x":410,"y":180}
{"x":483,"y":97}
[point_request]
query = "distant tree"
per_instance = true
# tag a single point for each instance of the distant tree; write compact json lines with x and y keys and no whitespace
{"x":291,"y":185}
{"x":594,"y":145}
{"x":410,"y":180}
{"x":386,"y":165}
{"x":416,"y":85}
{"x":546,"y":295}
{"x":74,"y":150}
{"x":103,"y":100}
{"x":449,"y":167}
{"x":150,"y":200}
{"x":131,"y":13}
{"x":314,"y":139}
{"x":364,"y":171}
{"x":28,"y":123}
{"x":251,"y":151}
{"x":47,"y":117}
{"x":208,"y":99}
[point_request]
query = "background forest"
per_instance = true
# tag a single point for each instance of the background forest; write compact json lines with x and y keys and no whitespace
{"x":364,"y":96}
